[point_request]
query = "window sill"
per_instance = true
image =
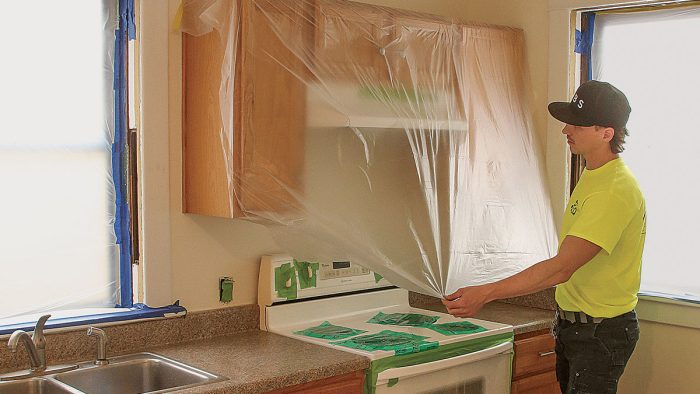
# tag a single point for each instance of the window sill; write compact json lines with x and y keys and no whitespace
{"x":73,"y":319}
{"x":683,"y":311}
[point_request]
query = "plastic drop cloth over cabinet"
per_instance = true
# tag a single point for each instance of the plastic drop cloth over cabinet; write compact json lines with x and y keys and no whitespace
{"x":398,"y":141}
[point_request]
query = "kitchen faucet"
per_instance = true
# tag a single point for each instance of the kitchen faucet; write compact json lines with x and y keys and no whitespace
{"x":35,"y":345}
{"x":36,"y":349}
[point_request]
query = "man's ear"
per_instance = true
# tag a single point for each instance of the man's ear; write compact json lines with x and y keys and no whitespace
{"x":608,"y":134}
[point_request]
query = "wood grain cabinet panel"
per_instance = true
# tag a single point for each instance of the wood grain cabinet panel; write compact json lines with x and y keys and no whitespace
{"x":349,"y":42}
{"x":543,"y":383}
{"x":534,"y":364}
{"x":258,"y":167}
{"x":351,"y":383}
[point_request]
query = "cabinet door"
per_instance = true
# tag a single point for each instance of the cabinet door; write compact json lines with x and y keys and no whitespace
{"x":544,"y":383}
{"x":255,"y":164}
{"x":422,"y":60}
{"x":269,"y":142}
{"x":348,"y":42}
{"x":351,"y":383}
{"x":422,"y":51}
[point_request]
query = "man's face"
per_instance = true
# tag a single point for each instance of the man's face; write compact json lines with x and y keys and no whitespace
{"x":585,"y":139}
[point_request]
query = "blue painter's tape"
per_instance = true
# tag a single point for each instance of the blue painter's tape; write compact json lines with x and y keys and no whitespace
{"x":584,"y":42}
{"x":578,"y":39}
{"x":137,"y":311}
{"x":122,"y":223}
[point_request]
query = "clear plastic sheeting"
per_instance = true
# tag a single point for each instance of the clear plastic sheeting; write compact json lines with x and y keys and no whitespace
{"x":416,"y":154}
{"x":57,"y":240}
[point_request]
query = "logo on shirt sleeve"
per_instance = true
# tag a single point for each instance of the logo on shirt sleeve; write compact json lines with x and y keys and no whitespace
{"x":574,"y":208}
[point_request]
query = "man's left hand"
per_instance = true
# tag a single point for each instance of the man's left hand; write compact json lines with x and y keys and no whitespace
{"x":465,"y":302}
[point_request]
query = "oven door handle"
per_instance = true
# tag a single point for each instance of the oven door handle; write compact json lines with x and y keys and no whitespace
{"x":419,"y":369}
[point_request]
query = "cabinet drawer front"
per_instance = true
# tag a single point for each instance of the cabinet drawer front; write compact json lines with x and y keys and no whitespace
{"x":544,"y":383}
{"x":534,"y":354}
{"x":351,"y":383}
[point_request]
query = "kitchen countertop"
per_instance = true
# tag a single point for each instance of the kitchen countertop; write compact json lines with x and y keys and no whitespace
{"x":259,"y":361}
{"x":524,"y":319}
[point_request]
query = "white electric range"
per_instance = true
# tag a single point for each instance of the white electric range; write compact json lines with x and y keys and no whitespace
{"x":347,"y":307}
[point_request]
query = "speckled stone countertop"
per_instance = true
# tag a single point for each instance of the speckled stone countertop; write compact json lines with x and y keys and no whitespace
{"x":259,"y":361}
{"x":227,"y":343}
{"x":223,"y":341}
{"x":524,"y":319}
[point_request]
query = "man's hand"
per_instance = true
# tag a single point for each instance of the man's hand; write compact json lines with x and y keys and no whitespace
{"x":466,"y":302}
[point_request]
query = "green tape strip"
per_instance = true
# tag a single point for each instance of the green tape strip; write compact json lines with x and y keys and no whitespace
{"x":403,"y":319}
{"x":455,"y":328}
{"x":283,"y":274}
{"x":327,"y":330}
{"x":440,"y":353}
{"x":377,"y":277}
{"x":303,"y":270}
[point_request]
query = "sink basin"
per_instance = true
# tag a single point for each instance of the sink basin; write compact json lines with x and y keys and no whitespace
{"x":137,"y":373}
{"x":33,"y":386}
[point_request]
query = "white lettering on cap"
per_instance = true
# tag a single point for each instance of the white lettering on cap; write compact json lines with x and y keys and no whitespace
{"x":575,"y":100}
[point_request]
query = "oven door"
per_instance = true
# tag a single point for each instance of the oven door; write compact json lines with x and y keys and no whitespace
{"x":485,"y":371}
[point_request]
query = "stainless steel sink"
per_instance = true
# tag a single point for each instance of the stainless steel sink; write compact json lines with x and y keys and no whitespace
{"x":131,"y":374}
{"x":34,"y":386}
{"x":136,"y":373}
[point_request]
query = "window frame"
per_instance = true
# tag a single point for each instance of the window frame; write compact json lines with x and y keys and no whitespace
{"x":677,"y":309}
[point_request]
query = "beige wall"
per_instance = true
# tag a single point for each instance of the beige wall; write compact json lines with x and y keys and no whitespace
{"x":665,"y":361}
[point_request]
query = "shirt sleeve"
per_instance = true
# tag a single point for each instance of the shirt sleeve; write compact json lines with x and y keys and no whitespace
{"x":604,"y":217}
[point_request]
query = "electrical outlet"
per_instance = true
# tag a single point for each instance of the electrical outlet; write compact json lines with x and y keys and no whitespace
{"x":225,"y":289}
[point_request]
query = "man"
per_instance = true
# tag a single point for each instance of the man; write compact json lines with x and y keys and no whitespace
{"x":597,"y":269}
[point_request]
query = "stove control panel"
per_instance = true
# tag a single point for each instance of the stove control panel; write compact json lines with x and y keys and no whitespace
{"x":282,"y":278}
{"x":340,"y":269}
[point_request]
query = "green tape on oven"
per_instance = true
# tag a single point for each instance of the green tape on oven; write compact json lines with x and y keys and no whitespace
{"x":303,"y":270}
{"x":327,"y":330}
{"x":439,"y":353}
{"x":456,"y":328}
{"x":403,"y":319}
{"x":284,"y":273}
{"x":387,"y":340}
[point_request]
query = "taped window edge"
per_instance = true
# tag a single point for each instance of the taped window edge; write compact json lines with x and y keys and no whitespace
{"x":138,"y":312}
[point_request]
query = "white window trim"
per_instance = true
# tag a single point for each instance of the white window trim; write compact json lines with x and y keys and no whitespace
{"x":154,"y":31}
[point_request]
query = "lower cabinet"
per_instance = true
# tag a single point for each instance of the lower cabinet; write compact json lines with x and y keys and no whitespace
{"x":534,"y":364}
{"x":350,"y":383}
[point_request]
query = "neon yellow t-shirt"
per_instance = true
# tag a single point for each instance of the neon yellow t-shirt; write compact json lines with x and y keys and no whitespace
{"x":606,"y":208}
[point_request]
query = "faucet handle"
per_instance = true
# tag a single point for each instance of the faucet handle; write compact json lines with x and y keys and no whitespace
{"x":38,"y":334}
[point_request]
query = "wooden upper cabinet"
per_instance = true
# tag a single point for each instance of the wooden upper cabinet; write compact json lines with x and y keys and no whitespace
{"x":422,"y":59}
{"x":253,"y":167}
{"x":348,"y":42}
{"x":422,"y":50}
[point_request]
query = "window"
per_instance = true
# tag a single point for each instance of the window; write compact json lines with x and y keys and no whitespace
{"x":64,"y":232}
{"x":651,"y":55}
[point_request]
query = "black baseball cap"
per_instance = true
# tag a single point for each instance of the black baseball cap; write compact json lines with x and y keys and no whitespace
{"x":595,"y":103}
